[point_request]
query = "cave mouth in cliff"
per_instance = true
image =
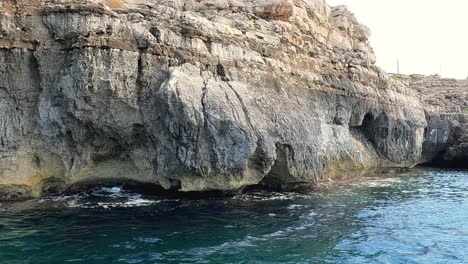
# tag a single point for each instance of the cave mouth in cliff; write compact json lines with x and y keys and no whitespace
{"x":367,"y":123}
{"x":279,"y":178}
{"x":144,"y":188}
{"x":440,"y":162}
{"x":127,"y":184}
{"x":365,"y":131}
{"x":279,"y":173}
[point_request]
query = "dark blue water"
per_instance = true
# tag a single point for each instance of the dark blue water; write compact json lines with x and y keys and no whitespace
{"x":407,"y":219}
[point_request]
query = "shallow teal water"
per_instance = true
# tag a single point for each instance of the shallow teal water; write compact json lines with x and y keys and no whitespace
{"x":417,"y":219}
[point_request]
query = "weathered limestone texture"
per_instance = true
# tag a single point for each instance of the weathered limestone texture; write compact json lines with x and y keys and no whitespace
{"x":194,"y":95}
{"x":446,"y":103}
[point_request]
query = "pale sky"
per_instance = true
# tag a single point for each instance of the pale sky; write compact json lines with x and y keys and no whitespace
{"x":427,"y":36}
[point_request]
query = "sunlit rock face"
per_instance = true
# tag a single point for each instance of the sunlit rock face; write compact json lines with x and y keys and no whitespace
{"x":194,"y":95}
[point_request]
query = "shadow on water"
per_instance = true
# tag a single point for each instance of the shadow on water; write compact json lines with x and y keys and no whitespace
{"x":360,"y":222}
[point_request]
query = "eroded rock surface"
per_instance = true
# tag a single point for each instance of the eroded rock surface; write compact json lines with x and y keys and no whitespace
{"x":446,"y":104}
{"x":195,"y":95}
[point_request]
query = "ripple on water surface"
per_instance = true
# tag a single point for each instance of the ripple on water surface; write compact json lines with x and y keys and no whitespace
{"x":412,"y":219}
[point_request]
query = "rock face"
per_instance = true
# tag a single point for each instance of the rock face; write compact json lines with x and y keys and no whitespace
{"x":446,"y":103}
{"x":446,"y":140}
{"x":439,"y":95}
{"x":194,"y":95}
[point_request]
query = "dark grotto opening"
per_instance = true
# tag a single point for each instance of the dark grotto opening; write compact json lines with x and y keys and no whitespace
{"x":443,"y":160}
{"x":365,"y":131}
{"x":280,"y":178}
{"x":450,"y":154}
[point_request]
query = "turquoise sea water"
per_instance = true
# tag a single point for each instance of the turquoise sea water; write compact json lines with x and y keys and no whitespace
{"x":410,"y":219}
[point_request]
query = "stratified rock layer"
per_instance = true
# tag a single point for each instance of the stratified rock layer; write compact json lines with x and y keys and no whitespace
{"x":446,"y":103}
{"x":194,"y":95}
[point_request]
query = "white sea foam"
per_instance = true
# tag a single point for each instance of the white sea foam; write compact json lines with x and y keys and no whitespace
{"x":378,"y":183}
{"x":276,"y":234}
{"x":130,"y":202}
{"x":150,"y":240}
{"x":106,"y":197}
{"x":271,"y":196}
{"x":112,"y":189}
{"x":295,"y":206}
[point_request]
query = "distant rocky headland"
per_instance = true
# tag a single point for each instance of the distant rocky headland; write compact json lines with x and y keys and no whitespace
{"x":208,"y":95}
{"x":446,"y":104}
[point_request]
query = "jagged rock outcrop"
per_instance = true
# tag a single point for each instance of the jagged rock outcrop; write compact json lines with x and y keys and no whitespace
{"x":194,"y":95}
{"x":446,"y":103}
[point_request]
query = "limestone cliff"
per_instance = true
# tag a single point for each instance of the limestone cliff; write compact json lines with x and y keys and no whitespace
{"x":194,"y":95}
{"x":446,"y":104}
